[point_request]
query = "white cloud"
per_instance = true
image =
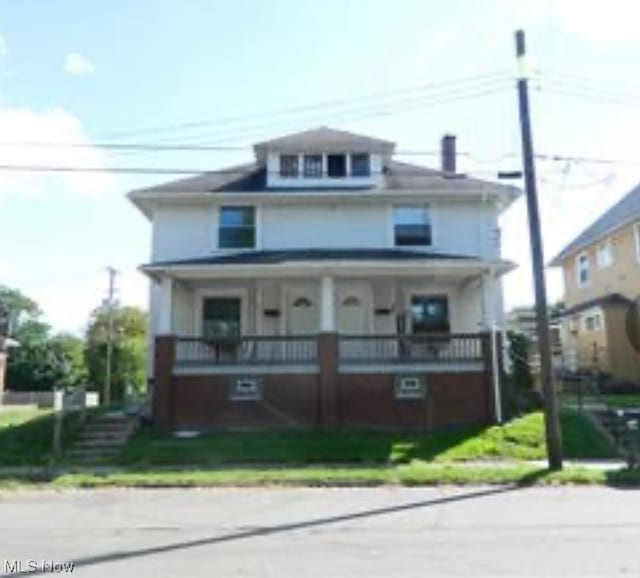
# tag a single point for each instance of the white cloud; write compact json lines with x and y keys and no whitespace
{"x":78,"y":65}
{"x":3,"y":46}
{"x":53,"y":126}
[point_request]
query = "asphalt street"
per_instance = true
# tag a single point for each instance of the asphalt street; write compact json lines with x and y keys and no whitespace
{"x":323,"y":532}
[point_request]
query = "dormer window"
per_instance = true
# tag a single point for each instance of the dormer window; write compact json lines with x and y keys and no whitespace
{"x":337,"y":166}
{"x":289,"y":166}
{"x":360,"y":165}
{"x":312,"y":166}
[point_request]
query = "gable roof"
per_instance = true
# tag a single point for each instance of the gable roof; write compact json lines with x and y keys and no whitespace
{"x":323,"y":139}
{"x":625,"y":210}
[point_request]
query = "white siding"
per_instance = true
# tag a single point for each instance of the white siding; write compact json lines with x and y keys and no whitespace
{"x":327,"y":226}
{"x":466,"y":229}
{"x":181,"y":232}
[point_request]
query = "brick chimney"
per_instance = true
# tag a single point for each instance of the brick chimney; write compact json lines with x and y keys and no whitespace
{"x":448,"y":154}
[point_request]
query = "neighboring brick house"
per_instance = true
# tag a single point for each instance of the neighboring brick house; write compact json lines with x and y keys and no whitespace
{"x":601,"y":269}
{"x":325,"y":283}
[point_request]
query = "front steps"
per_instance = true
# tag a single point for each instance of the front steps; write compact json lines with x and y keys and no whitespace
{"x":102,"y":438}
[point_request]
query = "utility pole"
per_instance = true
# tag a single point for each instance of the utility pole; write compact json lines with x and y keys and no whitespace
{"x":110,"y":305}
{"x":552,"y":421}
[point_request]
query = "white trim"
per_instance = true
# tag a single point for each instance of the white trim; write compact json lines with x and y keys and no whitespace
{"x":425,"y":367}
{"x":242,"y":370}
{"x":241,"y":292}
{"x":636,"y":240}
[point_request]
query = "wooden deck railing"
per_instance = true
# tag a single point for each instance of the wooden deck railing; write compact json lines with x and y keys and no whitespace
{"x":256,"y":350}
{"x":397,"y":349}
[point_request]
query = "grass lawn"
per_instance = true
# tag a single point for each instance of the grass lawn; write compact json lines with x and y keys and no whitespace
{"x":26,"y":436}
{"x":413,"y":474}
{"x":520,"y":439}
{"x":621,"y":400}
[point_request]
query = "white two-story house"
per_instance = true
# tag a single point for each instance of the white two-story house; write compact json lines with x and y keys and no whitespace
{"x":323,"y":233}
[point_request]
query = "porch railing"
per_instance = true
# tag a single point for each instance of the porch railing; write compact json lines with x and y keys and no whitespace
{"x":255,"y":350}
{"x":446,"y":348}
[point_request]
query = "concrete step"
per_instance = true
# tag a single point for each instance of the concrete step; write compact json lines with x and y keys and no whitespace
{"x":102,"y":438}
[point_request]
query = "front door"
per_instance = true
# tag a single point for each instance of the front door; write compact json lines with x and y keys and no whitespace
{"x":302,"y":313}
{"x":354,"y":310}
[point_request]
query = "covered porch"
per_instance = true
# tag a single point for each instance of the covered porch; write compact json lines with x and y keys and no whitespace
{"x":306,"y":344}
{"x":383,"y":313}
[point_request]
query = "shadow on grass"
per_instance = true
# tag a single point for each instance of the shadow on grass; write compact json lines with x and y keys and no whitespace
{"x":521,"y":438}
{"x":30,"y":442}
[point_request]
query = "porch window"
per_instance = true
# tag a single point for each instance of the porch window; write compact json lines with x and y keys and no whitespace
{"x":289,"y":166}
{"x":337,"y":166}
{"x":360,"y":165}
{"x":312,"y":166}
{"x":221,"y":317}
{"x":237,"y":228}
{"x":429,"y":314}
{"x":412,"y":225}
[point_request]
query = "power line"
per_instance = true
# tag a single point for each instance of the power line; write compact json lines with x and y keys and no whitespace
{"x":151,"y":147}
{"x":435,"y":174}
{"x":267,"y":129}
{"x":302,"y":108}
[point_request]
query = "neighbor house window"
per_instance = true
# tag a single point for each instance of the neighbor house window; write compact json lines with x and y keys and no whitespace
{"x":360,"y":165}
{"x":312,"y":166}
{"x":411,"y":225}
{"x":429,"y":314}
{"x":289,"y":166}
{"x":604,"y":254}
{"x":337,"y":166}
{"x":582,"y":269}
{"x":237,"y":228}
{"x":592,"y":322}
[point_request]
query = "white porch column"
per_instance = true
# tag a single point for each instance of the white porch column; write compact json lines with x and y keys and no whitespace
{"x":488,"y":300}
{"x":327,"y":304}
{"x":165,"y":325}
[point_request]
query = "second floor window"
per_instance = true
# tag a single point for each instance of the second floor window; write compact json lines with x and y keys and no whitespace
{"x":604,"y":255}
{"x":411,"y":225}
{"x":312,"y":166}
{"x":237,"y":228}
{"x":582,"y":269}
{"x":360,"y":165}
{"x":289,"y":166}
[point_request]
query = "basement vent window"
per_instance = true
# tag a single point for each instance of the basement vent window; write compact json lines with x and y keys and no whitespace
{"x":410,"y":387}
{"x":246,"y":389}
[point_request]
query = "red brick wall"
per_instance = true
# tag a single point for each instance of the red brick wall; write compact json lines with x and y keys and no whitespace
{"x":330,"y":399}
{"x":368,"y":401}
{"x":288,"y":400}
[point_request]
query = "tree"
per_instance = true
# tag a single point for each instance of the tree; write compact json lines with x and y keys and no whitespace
{"x":41,"y":361}
{"x":128,"y":363}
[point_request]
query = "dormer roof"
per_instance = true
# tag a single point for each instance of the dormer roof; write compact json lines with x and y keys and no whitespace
{"x":324,"y":140}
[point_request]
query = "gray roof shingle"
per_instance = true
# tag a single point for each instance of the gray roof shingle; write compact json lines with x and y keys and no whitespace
{"x":625,"y":210}
{"x":251,"y":178}
{"x":325,"y":139}
{"x":276,"y":257}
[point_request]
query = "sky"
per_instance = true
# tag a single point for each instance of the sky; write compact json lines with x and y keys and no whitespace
{"x":85,"y":73}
